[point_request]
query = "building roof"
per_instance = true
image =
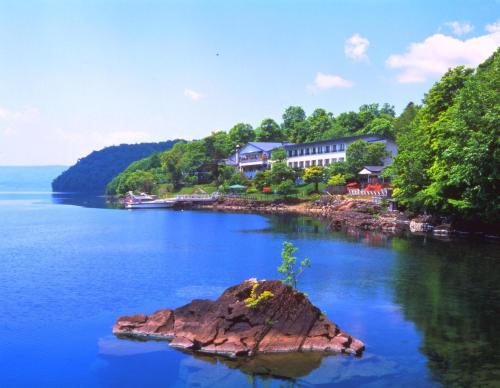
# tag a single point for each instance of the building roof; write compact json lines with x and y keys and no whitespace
{"x":371,"y":170}
{"x":337,"y":140}
{"x":266,"y":146}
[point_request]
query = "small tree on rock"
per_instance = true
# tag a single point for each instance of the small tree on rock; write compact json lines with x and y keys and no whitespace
{"x":289,"y":267}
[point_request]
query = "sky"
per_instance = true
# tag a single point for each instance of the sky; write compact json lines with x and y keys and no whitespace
{"x":76,"y":76}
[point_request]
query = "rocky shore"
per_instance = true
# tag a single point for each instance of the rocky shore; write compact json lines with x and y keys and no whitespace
{"x":336,"y":210}
{"x":285,"y":322}
{"x":341,"y":212}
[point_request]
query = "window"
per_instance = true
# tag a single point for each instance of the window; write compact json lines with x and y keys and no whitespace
{"x":334,"y":160}
{"x":295,"y":152}
{"x":301,"y":164}
{"x":313,"y":163}
{"x":341,"y":147}
{"x":307,"y":151}
{"x":327,"y":149}
{"x":341,"y":159}
{"x":320,"y":162}
{"x":295,"y":164}
{"x":327,"y":162}
{"x":289,"y":153}
{"x":290,"y":164}
{"x":320,"y":149}
{"x":334,"y":148}
{"x":307,"y":163}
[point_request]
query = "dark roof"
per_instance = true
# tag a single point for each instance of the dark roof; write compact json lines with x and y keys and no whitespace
{"x":340,"y":139}
{"x":374,"y":168}
{"x":266,"y":146}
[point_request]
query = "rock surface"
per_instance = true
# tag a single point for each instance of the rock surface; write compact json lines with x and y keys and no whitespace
{"x":338,"y":211}
{"x":287,"y":322}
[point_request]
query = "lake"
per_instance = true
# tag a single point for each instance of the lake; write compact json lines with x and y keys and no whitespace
{"x":427,"y":310}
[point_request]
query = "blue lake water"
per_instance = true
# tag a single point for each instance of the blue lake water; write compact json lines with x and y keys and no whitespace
{"x":428,"y":310}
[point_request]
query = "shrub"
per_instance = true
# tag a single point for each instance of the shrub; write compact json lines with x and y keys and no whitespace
{"x":337,"y":180}
{"x":254,"y":300}
{"x":285,"y":188}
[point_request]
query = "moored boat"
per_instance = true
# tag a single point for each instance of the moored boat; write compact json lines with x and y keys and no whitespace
{"x":156,"y":204}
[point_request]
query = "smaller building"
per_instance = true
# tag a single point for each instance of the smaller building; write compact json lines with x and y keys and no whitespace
{"x":253,"y":157}
{"x":372,"y":174}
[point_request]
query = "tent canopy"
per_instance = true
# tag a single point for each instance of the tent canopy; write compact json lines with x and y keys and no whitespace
{"x":237,"y":187}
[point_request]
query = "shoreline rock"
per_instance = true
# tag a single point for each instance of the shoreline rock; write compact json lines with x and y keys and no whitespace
{"x":363,"y":215}
{"x":287,"y":322}
{"x":339,"y":213}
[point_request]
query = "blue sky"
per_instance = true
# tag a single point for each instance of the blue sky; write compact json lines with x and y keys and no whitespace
{"x":80,"y":75}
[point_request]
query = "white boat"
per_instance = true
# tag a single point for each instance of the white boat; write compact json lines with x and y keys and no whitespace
{"x":156,"y":204}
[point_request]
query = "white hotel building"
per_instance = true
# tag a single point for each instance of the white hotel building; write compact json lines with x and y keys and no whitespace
{"x":325,"y":152}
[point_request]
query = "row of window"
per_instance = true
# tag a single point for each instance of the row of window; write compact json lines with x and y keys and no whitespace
{"x":309,"y":163}
{"x":316,"y":150}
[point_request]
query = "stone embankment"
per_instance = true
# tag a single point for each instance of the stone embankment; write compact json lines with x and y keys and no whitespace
{"x":286,"y":322}
{"x":336,"y":210}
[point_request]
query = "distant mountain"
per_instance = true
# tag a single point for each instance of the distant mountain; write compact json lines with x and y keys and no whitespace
{"x":94,"y":171}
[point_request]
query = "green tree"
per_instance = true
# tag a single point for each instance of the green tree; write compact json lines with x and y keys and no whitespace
{"x":360,"y":154}
{"x":269,"y":131}
{"x":339,"y":168}
{"x":418,"y":146}
{"x":405,"y":118}
{"x":262,"y":179}
{"x":240,"y":134}
{"x":293,"y":123}
{"x":281,"y":172}
{"x":279,"y":155}
{"x":314,"y":174}
{"x":286,"y":188}
{"x":337,"y":180}
{"x":381,"y":126}
{"x":138,"y":181}
{"x":319,"y":123}
{"x":289,"y":267}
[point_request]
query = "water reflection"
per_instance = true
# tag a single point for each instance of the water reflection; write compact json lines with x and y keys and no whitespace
{"x":452,"y":294}
{"x":89,"y":200}
{"x":288,"y":370}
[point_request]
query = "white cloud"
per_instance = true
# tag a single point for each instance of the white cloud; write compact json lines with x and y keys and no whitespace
{"x":493,"y":27}
{"x":192,"y":94}
{"x":9,"y":131}
{"x":329,"y":81}
{"x":437,"y":53}
{"x":95,"y":140}
{"x":42,"y":143}
{"x":460,"y":28}
{"x":26,"y":115}
{"x":356,"y":46}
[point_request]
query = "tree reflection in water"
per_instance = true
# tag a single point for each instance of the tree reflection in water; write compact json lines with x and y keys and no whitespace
{"x":451,"y":291}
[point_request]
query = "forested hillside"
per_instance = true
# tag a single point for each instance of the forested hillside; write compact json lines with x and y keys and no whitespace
{"x":198,"y":161}
{"x":93,"y":172}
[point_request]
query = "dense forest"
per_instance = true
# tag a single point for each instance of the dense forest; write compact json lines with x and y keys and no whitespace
{"x":449,"y":156}
{"x":447,"y":163}
{"x":93,"y":172}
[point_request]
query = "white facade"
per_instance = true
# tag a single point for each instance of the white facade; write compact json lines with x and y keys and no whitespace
{"x":323,"y":153}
